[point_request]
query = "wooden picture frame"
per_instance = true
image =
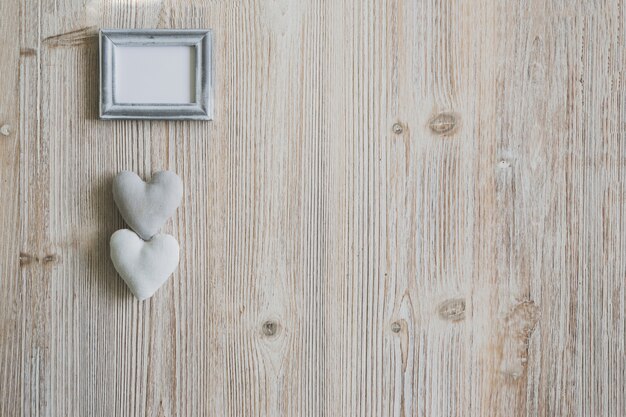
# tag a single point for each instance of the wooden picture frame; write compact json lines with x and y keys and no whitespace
{"x":137,"y":67}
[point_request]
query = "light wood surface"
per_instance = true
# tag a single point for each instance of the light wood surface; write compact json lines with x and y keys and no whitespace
{"x":402,"y":208}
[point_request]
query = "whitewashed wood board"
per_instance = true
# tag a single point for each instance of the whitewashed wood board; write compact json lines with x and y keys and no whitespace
{"x":402,"y":208}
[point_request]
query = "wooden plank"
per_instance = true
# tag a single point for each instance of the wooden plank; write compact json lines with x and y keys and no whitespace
{"x":11,"y":289}
{"x":405,"y":158}
{"x":34,"y":221}
{"x":402,"y":208}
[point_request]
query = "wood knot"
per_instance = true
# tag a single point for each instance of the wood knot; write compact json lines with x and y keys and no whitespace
{"x":26,"y":259}
{"x":28,"y":52}
{"x":444,"y":124}
{"x":396,"y":327}
{"x":504,"y":164}
{"x":397,"y":128}
{"x":51,"y":259}
{"x":522,"y":319}
{"x":5,"y":130}
{"x":519,"y":324}
{"x":270,"y":328}
{"x":452,"y":310}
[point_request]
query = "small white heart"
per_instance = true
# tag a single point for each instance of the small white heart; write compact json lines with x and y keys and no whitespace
{"x":144,"y":265}
{"x":146,"y":206}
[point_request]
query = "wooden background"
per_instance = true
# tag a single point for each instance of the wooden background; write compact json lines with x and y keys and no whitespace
{"x":402,"y":208}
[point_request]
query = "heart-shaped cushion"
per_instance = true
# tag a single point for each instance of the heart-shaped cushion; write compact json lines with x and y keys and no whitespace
{"x":146,"y":206}
{"x":144,"y":265}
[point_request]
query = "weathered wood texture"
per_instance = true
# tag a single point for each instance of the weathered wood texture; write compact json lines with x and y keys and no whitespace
{"x":402,"y":208}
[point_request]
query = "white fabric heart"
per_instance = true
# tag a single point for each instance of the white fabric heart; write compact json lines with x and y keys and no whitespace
{"x":146,"y":206}
{"x":144,"y":265}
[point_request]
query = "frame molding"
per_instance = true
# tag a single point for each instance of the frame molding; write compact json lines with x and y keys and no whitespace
{"x":200,"y":39}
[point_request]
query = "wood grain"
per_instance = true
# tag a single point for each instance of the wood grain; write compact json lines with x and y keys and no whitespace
{"x":402,"y":208}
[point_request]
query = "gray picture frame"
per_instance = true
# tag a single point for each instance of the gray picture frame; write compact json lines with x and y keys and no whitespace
{"x":200,"y":39}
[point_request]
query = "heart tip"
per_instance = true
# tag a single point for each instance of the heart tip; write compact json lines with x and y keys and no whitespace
{"x":142,"y":297}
